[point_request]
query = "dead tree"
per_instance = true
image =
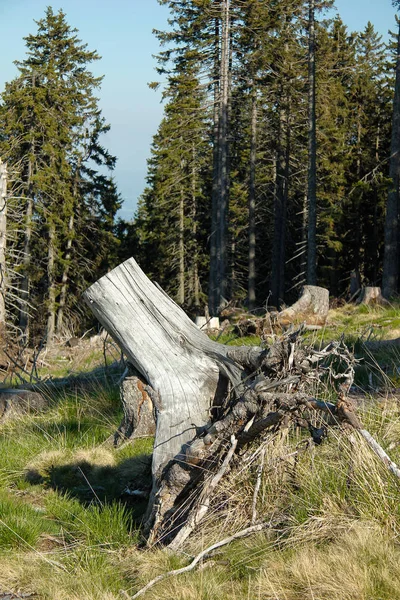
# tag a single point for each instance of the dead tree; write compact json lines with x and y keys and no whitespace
{"x":211,"y":400}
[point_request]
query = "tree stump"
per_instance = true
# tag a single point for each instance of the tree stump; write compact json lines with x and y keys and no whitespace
{"x":186,"y":370}
{"x":371,"y":296}
{"x":211,"y":400}
{"x":312,"y":307}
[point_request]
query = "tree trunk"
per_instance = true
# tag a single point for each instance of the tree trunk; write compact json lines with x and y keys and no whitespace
{"x":181,"y":251}
{"x":371,"y":295}
{"x":280,"y":206}
{"x":51,"y":283}
{"x":252,"y":204}
{"x":26,"y":263}
{"x":65,"y":276}
{"x":212,"y":284}
{"x":391,"y":253}
{"x":312,"y":154}
{"x":222,"y":226}
{"x":3,"y":241}
{"x":195,"y":260}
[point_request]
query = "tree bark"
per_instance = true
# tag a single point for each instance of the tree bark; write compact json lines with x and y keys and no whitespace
{"x":252,"y":203}
{"x":181,"y":280}
{"x":212,"y":284}
{"x":26,"y":263}
{"x":139,"y":418}
{"x":64,"y":279}
{"x":222,"y":226}
{"x":3,"y":241}
{"x":51,"y":283}
{"x":312,"y":153}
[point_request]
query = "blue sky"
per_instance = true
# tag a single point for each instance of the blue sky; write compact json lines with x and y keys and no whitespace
{"x":121,"y":31}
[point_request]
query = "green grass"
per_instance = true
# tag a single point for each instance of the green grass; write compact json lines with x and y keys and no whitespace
{"x":67,"y":531}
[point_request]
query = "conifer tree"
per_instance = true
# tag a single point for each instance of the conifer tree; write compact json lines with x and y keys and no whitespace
{"x":51,"y":132}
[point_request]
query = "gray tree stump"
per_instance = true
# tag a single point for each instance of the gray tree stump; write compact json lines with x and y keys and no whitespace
{"x":19,"y":402}
{"x":371,"y":295}
{"x":312,"y":307}
{"x":186,"y":370}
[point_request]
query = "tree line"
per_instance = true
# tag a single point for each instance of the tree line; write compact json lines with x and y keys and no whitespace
{"x":276,"y":156}
{"x":276,"y":163}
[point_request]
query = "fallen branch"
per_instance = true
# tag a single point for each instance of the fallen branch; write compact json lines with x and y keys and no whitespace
{"x":203,"y":554}
{"x":379,"y":451}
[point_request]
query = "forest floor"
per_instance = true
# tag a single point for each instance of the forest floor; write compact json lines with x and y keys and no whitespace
{"x":69,"y":529}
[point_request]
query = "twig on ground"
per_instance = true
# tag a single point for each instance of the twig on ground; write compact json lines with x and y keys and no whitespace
{"x":257,"y":486}
{"x":203,"y":554}
{"x":379,"y":451}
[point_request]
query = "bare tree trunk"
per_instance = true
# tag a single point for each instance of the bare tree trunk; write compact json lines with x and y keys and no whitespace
{"x":312,"y":153}
{"x":212,"y":285}
{"x":391,"y":255}
{"x":181,"y":250}
{"x":252,"y":204}
{"x":195,"y":262}
{"x":68,"y":252}
{"x":280,"y":207}
{"x":51,"y":282}
{"x":3,"y":240}
{"x":26,"y":263}
{"x":222,"y":226}
{"x":65,"y":277}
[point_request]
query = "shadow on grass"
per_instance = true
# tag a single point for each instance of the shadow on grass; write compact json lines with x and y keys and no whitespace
{"x":99,"y":484}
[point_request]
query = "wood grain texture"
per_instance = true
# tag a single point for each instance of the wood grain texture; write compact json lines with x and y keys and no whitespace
{"x":165,"y":347}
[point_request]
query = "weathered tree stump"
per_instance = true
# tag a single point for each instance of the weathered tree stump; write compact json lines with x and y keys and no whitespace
{"x":188,"y":372}
{"x":312,"y":307}
{"x":371,"y":296}
{"x":211,"y":400}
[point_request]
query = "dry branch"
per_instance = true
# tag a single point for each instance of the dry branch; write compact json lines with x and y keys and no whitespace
{"x":201,"y":556}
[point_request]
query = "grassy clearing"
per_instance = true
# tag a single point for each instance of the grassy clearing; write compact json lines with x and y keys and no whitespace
{"x":67,"y":531}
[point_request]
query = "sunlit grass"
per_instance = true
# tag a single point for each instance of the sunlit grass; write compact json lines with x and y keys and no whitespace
{"x":66,"y":532}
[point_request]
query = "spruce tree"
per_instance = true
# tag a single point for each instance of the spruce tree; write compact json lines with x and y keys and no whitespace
{"x":51,"y":128}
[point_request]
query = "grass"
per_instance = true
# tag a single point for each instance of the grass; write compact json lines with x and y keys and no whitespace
{"x":68,"y":532}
